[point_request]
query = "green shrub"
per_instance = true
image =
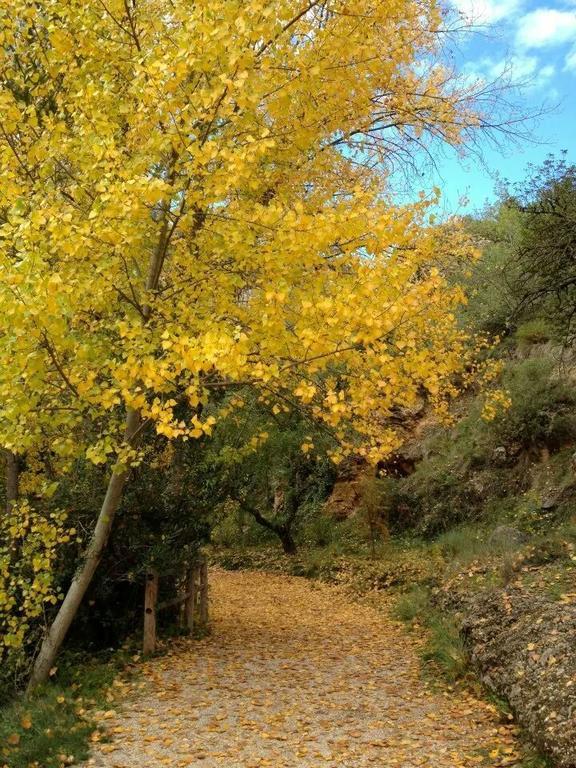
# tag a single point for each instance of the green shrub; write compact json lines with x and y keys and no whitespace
{"x":445,"y":649}
{"x":412,"y":605}
{"x":461,"y":543}
{"x":542,"y":409}
{"x":548,"y":551}
{"x":536,"y":331}
{"x":319,"y":530}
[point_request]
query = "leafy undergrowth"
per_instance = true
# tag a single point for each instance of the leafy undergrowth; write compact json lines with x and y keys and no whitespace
{"x":393,"y":568}
{"x":55,"y":726}
{"x":469,"y":558}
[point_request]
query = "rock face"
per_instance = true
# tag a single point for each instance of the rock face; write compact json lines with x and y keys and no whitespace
{"x":344,"y":500}
{"x":524,"y":647}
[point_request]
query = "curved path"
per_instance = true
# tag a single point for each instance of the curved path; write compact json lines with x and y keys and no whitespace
{"x":294,"y":674}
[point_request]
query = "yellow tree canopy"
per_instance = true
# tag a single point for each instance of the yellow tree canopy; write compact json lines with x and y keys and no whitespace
{"x":194,"y":196}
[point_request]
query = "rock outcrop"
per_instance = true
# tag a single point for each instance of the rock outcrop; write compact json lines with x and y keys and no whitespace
{"x":524,"y":648}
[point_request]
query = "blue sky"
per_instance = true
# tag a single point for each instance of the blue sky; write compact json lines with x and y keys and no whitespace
{"x":533,"y":42}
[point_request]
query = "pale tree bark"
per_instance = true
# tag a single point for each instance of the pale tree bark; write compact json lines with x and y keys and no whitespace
{"x":83,"y":577}
{"x":59,"y":628}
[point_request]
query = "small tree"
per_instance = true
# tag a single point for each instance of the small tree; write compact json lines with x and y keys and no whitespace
{"x":278,"y":472}
{"x":529,"y":242}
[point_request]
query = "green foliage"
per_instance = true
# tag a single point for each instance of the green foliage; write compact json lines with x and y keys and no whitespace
{"x":548,"y":243}
{"x":268,"y":482}
{"x":474,"y":471}
{"x":320,"y":530}
{"x":542,"y":410}
{"x":234,"y":527}
{"x":55,"y":721}
{"x":461,"y":543}
{"x":163,"y":521}
{"x":534,"y":760}
{"x":444,"y":650}
{"x":536,"y":331}
{"x":528,"y":242}
{"x":445,"y":488}
{"x":412,"y":604}
{"x":491,"y":300}
{"x":466,"y":543}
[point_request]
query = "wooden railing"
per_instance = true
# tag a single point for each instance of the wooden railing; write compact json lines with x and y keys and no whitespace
{"x":194,"y":602}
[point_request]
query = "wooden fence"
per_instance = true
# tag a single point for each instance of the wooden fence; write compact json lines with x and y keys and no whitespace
{"x":193,"y":602}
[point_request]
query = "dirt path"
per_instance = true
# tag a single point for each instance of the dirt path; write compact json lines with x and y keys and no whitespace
{"x":295,"y":675}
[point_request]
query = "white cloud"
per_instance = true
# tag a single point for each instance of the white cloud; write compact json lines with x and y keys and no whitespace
{"x":546,"y":26}
{"x":570,"y":62}
{"x":487,"y":11}
{"x":519,"y":69}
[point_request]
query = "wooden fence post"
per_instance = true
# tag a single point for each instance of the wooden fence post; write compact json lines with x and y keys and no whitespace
{"x":150,"y":599}
{"x":204,"y":592}
{"x":191,"y":591}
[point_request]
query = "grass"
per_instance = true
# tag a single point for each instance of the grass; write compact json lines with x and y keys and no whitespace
{"x":444,"y":651}
{"x":412,"y":605}
{"x":52,"y":727}
{"x":533,"y":760}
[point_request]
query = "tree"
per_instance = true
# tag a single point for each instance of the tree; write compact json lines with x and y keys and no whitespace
{"x":194,"y":200}
{"x":277,"y":474}
{"x":546,"y":254}
{"x":528,"y":239}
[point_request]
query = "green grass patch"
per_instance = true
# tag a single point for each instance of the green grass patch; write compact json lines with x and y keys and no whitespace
{"x":52,"y":727}
{"x":412,"y":605}
{"x":532,"y":759}
{"x":444,"y":650}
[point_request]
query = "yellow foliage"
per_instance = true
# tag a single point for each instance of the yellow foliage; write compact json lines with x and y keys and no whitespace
{"x":194,"y":197}
{"x":496,"y":401}
{"x":28,"y":547}
{"x":244,"y":144}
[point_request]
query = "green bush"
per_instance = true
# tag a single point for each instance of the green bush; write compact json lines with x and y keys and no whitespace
{"x":319,"y":530}
{"x":542,"y":410}
{"x":463,"y":543}
{"x":465,"y":477}
{"x":536,"y":331}
{"x":412,"y":605}
{"x":491,"y":301}
{"x":445,"y":648}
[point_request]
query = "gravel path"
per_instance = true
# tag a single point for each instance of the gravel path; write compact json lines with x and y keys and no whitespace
{"x":294,"y":674}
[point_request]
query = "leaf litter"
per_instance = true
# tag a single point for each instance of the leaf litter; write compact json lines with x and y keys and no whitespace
{"x":297,"y":674}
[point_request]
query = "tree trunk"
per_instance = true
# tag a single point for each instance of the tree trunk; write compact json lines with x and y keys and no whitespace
{"x":282,"y":531}
{"x":83,"y":577}
{"x":287,"y":540}
{"x":81,"y":581}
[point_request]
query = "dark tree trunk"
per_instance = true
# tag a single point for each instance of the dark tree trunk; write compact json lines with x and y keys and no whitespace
{"x":282,"y":531}
{"x":287,"y":540}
